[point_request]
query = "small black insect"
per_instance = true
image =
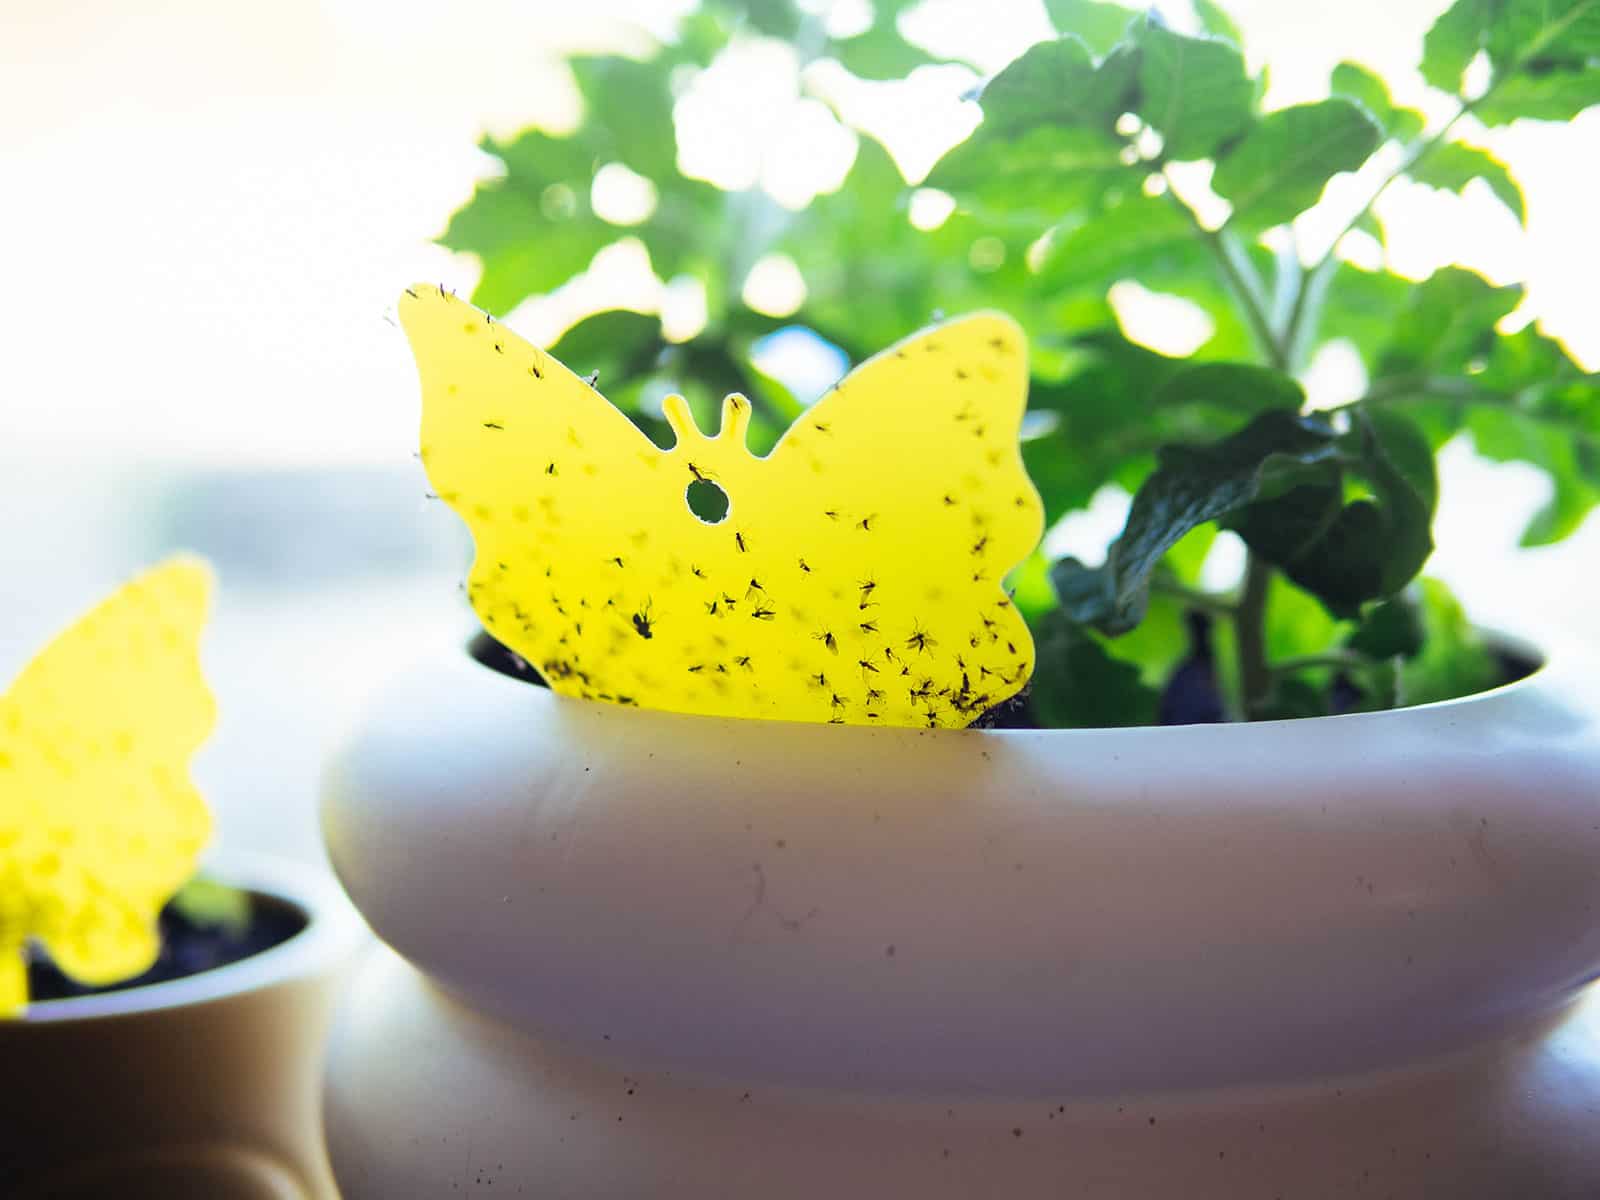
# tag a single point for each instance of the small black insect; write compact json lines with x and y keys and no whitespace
{"x":804,"y":567}
{"x":819,"y":679}
{"x":697,"y":572}
{"x":743,"y":660}
{"x":982,"y":544}
{"x":761,"y":613}
{"x":866,"y":522}
{"x":411,"y":293}
{"x":499,"y":348}
{"x":874,"y":695}
{"x":867,"y":586}
{"x":697,"y":668}
{"x":826,"y":638}
{"x":551,"y":469}
{"x":868,"y":627}
{"x":592,"y":378}
{"x":919,"y":641}
{"x":699,"y":474}
{"x":819,"y":427}
{"x":712,"y":608}
{"x":616,"y":558}
{"x":866,"y":665}
{"x":831,"y":514}
{"x":755,"y":586}
{"x":739,"y":538}
{"x":949,"y":499}
{"x":642,"y":625}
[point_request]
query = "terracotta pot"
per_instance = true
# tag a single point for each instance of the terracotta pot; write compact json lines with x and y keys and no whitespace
{"x":202,"y":1086}
{"x":642,"y":954}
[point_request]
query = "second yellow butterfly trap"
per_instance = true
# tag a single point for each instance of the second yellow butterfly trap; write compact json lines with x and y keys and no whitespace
{"x":856,"y":577}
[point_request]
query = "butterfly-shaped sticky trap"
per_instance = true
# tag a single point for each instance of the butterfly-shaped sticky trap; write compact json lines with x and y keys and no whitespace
{"x":99,"y":822}
{"x":856,"y":577}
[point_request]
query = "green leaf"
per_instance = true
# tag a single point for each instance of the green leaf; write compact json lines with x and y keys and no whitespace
{"x":618,"y":343}
{"x":1547,"y":95}
{"x":1454,"y":660}
{"x":1449,"y":321}
{"x":1048,"y":171}
{"x":1192,"y":485}
{"x":1453,"y":40}
{"x":1392,"y":629}
{"x":1454,"y":165}
{"x":1116,"y":244}
{"x":1240,"y":387}
{"x":1506,"y":435}
{"x":1195,"y":91}
{"x":879,"y":52}
{"x":1101,"y":26}
{"x":1050,"y":82}
{"x":1363,"y":307}
{"x":1077,"y":684}
{"x":1217,"y":22}
{"x":211,"y":904}
{"x":1526,"y":31}
{"x":1348,"y":553}
{"x":1355,"y":82}
{"x":628,"y":112}
{"x":1281,"y":166}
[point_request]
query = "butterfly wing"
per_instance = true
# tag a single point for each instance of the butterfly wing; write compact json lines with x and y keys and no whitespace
{"x":590,"y":564}
{"x":906,"y":484}
{"x":99,"y":821}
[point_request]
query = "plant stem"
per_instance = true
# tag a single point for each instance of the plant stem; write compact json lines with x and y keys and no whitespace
{"x":1250,"y":633}
{"x":1194,"y":597}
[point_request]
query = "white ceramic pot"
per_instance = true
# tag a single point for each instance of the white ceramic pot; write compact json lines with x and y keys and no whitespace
{"x":640,"y":954}
{"x":206,"y":1086}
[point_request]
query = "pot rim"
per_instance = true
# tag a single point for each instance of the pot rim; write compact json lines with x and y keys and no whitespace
{"x":1542,"y":654}
{"x":332,"y":931}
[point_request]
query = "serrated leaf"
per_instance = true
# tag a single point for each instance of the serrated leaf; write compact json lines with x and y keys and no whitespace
{"x":1454,"y":165}
{"x":1078,"y":684}
{"x":1453,"y":40}
{"x":1552,"y":95}
{"x":1355,"y":82}
{"x":1192,"y":485}
{"x":1195,"y":91}
{"x":1100,"y":25}
{"x":1281,"y":166}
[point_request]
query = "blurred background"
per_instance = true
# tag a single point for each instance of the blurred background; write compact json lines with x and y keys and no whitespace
{"x":208,"y":210}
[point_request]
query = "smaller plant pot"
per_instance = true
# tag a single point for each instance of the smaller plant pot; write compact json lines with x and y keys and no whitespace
{"x":207,"y":1085}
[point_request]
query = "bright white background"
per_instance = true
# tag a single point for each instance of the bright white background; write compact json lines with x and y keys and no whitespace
{"x":206,"y":209}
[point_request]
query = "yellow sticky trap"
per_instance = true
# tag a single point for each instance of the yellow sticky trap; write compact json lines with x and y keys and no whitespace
{"x":855,"y":578}
{"x":99,"y":822}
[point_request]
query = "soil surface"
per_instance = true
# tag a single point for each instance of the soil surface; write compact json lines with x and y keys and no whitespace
{"x":187,"y":948}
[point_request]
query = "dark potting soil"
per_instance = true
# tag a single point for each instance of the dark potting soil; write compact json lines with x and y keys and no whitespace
{"x":1191,"y":697}
{"x":187,"y":948}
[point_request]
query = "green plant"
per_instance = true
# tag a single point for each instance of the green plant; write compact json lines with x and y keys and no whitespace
{"x":1078,"y":177}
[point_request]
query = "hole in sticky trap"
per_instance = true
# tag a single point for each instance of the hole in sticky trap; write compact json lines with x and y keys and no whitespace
{"x":707,"y":501}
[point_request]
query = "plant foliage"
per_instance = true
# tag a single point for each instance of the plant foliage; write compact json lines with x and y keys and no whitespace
{"x":1077,"y":177}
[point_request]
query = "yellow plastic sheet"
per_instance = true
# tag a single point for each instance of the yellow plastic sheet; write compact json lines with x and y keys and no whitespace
{"x":856,"y":577}
{"x":99,"y":822}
